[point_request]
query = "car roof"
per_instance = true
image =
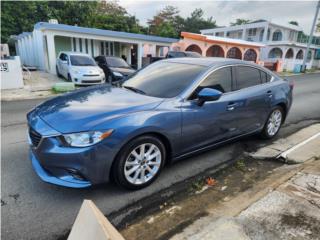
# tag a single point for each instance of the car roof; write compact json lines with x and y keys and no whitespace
{"x":209,"y":61}
{"x":75,"y":53}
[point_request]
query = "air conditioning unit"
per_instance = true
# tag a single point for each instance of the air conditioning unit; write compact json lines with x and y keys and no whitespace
{"x":53,"y":21}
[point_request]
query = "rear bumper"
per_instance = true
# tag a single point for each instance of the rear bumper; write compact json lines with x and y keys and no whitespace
{"x":66,"y":181}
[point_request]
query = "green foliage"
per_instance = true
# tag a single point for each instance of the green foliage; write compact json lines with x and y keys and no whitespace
{"x":318,"y":26}
{"x":239,"y":21}
{"x":20,"y":16}
{"x":294,"y":23}
{"x":169,"y":23}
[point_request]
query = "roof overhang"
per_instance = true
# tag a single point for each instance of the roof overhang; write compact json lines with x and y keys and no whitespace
{"x":221,"y":40}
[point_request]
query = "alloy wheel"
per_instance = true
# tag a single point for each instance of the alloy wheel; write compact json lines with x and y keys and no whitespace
{"x":274,"y":122}
{"x":142,"y":164}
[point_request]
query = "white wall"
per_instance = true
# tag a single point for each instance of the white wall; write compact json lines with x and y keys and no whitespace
{"x":11,"y":73}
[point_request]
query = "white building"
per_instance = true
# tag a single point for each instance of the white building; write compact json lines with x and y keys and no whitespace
{"x":40,"y":47}
{"x":284,"y":42}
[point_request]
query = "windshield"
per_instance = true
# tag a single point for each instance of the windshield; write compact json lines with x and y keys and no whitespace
{"x":164,"y":79}
{"x":77,"y":60}
{"x":117,"y":62}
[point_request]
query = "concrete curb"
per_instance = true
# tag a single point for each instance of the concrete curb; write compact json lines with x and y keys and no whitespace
{"x":297,"y":142}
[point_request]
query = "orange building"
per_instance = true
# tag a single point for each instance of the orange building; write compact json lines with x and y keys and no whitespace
{"x":213,"y":46}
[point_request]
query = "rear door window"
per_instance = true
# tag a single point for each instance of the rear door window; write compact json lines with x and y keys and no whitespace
{"x":265,"y":77}
{"x":220,"y":80}
{"x":247,"y":77}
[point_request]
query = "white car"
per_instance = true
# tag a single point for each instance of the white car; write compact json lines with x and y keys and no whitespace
{"x":79,"y":68}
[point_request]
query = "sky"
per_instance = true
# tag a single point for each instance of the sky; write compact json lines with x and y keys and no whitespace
{"x":225,"y":12}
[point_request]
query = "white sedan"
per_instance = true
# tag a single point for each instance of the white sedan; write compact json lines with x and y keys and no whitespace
{"x":79,"y":68}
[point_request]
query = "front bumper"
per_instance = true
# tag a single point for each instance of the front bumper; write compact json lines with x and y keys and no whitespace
{"x":88,"y":80}
{"x":68,"y":166}
{"x":66,"y":181}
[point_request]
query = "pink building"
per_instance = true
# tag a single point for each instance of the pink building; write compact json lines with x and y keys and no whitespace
{"x":212,"y":46}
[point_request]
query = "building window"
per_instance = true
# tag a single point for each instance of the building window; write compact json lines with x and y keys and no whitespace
{"x":74,"y":44}
{"x":277,"y":36}
{"x":275,"y":53}
{"x":102,"y":48}
{"x":252,"y":32}
{"x":111,"y":48}
{"x":92,"y":47}
{"x":86,"y":43}
{"x":80,"y":44}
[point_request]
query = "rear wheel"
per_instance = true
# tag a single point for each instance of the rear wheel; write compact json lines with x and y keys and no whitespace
{"x":140,"y":162}
{"x":273,"y":123}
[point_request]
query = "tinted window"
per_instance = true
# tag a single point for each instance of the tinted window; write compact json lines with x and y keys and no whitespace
{"x":117,"y":62}
{"x":164,"y":79}
{"x":220,"y":80}
{"x":265,"y":77}
{"x":193,"y":54}
{"x":176,"y":54}
{"x":247,"y":77}
{"x":62,"y":57}
{"x":77,"y":60}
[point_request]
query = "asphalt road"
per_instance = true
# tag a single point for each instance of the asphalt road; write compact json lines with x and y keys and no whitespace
{"x":32,"y":209}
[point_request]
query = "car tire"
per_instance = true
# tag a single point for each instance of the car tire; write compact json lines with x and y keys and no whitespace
{"x":135,"y":173}
{"x":58,"y":73}
{"x":69,"y":78}
{"x":273,"y":123}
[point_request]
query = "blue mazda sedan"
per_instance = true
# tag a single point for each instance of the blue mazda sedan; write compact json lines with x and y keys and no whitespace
{"x":164,"y":112}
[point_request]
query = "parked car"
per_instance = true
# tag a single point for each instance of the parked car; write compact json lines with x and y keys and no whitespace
{"x":166,"y":111}
{"x":79,"y":68}
{"x":115,"y":69}
{"x":179,"y":54}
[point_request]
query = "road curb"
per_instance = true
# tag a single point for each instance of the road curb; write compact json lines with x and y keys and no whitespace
{"x":289,"y":147}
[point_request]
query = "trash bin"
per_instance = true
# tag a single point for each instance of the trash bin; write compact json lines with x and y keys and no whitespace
{"x":297,"y":68}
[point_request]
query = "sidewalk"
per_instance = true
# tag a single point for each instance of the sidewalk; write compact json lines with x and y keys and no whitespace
{"x":285,"y":206}
{"x":36,"y":85}
{"x":291,"y":211}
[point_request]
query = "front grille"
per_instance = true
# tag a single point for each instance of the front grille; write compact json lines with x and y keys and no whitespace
{"x":91,"y":81}
{"x":35,"y":137}
{"x":91,"y":75}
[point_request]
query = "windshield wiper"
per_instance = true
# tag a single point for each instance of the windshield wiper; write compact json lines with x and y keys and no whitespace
{"x":135,"y":90}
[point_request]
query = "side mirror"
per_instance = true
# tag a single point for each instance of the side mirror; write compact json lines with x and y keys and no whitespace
{"x":207,"y":95}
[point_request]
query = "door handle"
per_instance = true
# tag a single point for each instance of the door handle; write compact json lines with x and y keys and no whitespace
{"x":231,"y":106}
{"x":269,"y":93}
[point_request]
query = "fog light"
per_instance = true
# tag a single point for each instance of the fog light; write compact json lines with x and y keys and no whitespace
{"x":76,"y":79}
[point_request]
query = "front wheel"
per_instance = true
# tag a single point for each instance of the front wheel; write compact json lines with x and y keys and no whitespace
{"x":273,"y":123}
{"x":140,"y":162}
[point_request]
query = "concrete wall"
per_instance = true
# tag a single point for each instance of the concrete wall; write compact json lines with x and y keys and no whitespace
{"x":11,"y":73}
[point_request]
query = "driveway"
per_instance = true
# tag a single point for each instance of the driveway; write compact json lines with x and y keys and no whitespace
{"x":32,"y":209}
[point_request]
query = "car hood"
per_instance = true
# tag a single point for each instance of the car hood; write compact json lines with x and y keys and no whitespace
{"x":124,"y":71}
{"x":85,"y":109}
{"x":87,"y":69}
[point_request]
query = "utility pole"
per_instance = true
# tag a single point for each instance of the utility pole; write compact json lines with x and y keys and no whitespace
{"x":303,"y":67}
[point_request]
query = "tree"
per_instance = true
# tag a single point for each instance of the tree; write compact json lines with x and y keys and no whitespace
{"x":239,"y":21}
{"x":196,"y":22}
{"x":318,"y":26}
{"x":169,"y":23}
{"x":294,"y":23}
{"x":20,"y":16}
{"x":166,"y":23}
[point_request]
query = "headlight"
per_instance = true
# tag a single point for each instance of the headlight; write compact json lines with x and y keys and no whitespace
{"x":101,"y":71}
{"x":117,"y":74}
{"x":85,"y":139}
{"x":75,"y":71}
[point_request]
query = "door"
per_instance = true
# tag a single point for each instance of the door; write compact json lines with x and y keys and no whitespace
{"x":252,"y":99}
{"x":213,"y":121}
